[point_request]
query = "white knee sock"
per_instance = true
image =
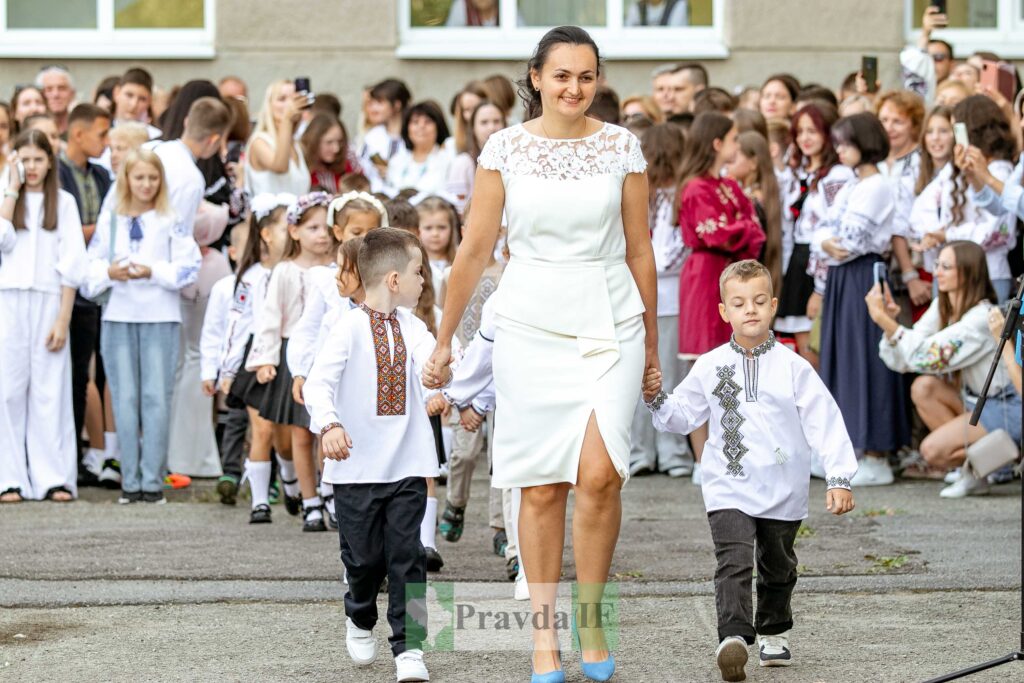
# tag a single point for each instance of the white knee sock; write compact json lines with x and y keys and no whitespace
{"x":258,"y":474}
{"x":287,"y":470}
{"x":429,"y":526}
{"x":313,"y":506}
{"x":110,"y":449}
{"x":326,"y":489}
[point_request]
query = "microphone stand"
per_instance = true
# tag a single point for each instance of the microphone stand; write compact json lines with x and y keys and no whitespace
{"x":1014,"y":323}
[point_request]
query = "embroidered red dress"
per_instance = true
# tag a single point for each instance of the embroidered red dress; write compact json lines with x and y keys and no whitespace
{"x":719,"y":226}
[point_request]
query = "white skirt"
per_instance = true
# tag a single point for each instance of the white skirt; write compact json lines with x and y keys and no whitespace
{"x":547,"y":386}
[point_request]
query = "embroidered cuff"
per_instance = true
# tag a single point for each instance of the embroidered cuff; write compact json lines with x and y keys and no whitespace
{"x":897,"y":335}
{"x":838,"y":483}
{"x":654,"y":405}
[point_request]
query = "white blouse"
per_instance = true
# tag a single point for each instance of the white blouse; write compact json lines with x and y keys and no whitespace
{"x":167,"y":248}
{"x":243,"y":316}
{"x":343,"y":386}
{"x":215,"y":323}
{"x":296,"y":180}
{"x":766,"y":416}
{"x":428,"y":177}
{"x":43,"y":260}
{"x":461,"y":175}
{"x":473,"y":378}
{"x":279,"y":314}
{"x":321,"y":299}
{"x":669,"y":251}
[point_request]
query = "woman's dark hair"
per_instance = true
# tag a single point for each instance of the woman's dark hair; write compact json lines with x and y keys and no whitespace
{"x":663,"y":145}
{"x":713,"y":99}
{"x":563,"y":35}
{"x":929,"y":168}
{"x":754,"y":146}
{"x":241,"y":127}
{"x":823,"y":116}
{"x":815,"y":91}
{"x":500,"y":91}
{"x":788,"y":81}
{"x":864,"y":131}
{"x":19,"y":90}
{"x":106,"y":88}
{"x":392,"y":90}
{"x":472,"y":146}
{"x":310,"y":143}
{"x":172,"y":123}
{"x":748,"y":119}
{"x":987,"y":127}
{"x":972,"y":278}
{"x":432,"y":111}
{"x":699,"y":155}
{"x":51,"y":182}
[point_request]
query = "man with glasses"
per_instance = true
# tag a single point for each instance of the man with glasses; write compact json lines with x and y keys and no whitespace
{"x":59,"y":91}
{"x":930,"y":62}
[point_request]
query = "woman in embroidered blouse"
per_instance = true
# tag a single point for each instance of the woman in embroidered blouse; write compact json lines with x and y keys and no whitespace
{"x":951,"y":345}
{"x":576,"y":324}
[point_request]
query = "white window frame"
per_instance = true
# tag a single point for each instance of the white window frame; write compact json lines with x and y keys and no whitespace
{"x":106,"y":42}
{"x":509,"y":41}
{"x":1006,"y":39}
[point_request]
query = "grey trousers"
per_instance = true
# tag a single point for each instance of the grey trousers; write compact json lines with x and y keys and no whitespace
{"x":661,"y":451}
{"x":735,"y":535}
{"x":466,"y":448}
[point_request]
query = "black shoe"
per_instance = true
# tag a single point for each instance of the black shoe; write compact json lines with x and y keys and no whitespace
{"x":316,"y":523}
{"x":129,"y":497}
{"x":500,"y":542}
{"x":260,"y":514}
{"x":227,"y":489}
{"x":434,"y":561}
{"x":512,"y":568}
{"x":87,"y":478}
{"x":332,"y":518}
{"x":452,"y":522}
{"x":293,"y":504}
{"x":153,"y":497}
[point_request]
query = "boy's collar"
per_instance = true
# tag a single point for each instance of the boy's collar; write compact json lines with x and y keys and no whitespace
{"x":759,"y":350}
{"x":378,"y":315}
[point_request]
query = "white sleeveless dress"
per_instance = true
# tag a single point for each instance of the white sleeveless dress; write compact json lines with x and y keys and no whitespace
{"x":570,"y":336}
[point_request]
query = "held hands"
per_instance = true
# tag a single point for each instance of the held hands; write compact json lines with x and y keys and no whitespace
{"x":651,"y":384}
{"x":336,"y":444}
{"x":266,"y":373}
{"x":839,"y":501}
{"x":297,"y":384}
{"x":470,"y":419}
{"x":437,"y":371}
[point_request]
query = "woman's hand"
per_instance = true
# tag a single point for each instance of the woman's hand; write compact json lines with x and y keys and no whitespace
{"x":930,"y":241}
{"x":814,"y":306}
{"x":996,"y":321}
{"x":58,"y":335}
{"x":296,"y":105}
{"x":881,"y":305}
{"x":651,"y":384}
{"x":437,"y":371}
{"x":436,"y":405}
{"x":14,"y":178}
{"x":832,"y":248}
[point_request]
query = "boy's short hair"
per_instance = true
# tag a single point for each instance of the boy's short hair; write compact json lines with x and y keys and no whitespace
{"x":385,"y":250}
{"x":85,"y":114}
{"x":137,"y":76}
{"x":207,"y":116}
{"x":743,"y":271}
{"x":402,"y":214}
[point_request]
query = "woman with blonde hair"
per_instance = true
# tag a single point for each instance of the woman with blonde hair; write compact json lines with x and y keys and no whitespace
{"x":274,"y":161}
{"x":641,"y":105}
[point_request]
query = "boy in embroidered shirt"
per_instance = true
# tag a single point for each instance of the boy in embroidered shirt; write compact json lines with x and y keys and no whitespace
{"x":767,"y":412}
{"x":367,"y":378}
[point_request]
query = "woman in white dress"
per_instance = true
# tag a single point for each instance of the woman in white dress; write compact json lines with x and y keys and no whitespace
{"x":274,"y":162}
{"x":576,"y":326}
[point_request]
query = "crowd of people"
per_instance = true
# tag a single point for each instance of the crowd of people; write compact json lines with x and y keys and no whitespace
{"x":173,"y":268}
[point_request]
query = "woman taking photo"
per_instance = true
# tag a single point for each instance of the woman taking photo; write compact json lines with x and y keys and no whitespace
{"x":567,"y":363}
{"x":274,"y":162}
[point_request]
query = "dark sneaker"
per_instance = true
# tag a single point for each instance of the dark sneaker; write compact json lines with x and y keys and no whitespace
{"x":731,"y":657}
{"x":227,"y":489}
{"x":129,"y":497}
{"x":452,"y":522}
{"x":110,"y":475}
{"x":512,"y":568}
{"x":775,"y":650}
{"x":332,"y":519}
{"x":260,"y":514}
{"x":500,"y":543}
{"x":154,"y":497}
{"x":434,"y":561}
{"x":313,"y":522}
{"x":275,"y":493}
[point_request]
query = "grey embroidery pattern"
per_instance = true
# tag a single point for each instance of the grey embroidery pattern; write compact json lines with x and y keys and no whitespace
{"x":751,"y":364}
{"x":838,"y":483}
{"x":726,"y":393}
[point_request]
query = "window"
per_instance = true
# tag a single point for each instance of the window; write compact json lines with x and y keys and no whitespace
{"x":509,"y":29}
{"x":975,"y":25}
{"x":107,"y":28}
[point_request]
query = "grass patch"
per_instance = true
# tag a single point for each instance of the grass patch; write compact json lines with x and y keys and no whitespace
{"x":629,"y":575}
{"x":882,"y":512}
{"x":885,"y":564}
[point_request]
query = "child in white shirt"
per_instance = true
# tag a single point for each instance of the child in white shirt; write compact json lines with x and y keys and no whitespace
{"x":367,"y":378}
{"x":767,"y":411}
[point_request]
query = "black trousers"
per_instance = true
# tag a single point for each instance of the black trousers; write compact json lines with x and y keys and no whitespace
{"x":232,"y":441}
{"x":736,"y":535}
{"x":379,"y":529}
{"x":84,"y":340}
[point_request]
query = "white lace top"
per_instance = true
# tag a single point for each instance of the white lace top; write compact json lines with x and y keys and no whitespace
{"x":563,"y":200}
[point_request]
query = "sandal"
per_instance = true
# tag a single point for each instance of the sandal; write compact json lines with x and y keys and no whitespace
{"x":59,"y":494}
{"x":7,"y":496}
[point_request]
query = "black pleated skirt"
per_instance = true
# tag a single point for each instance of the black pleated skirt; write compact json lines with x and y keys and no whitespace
{"x":797,"y":285}
{"x":246,"y":392}
{"x":277,"y":404}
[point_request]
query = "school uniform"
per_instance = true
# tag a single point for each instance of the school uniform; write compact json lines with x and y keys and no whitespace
{"x":141,"y":334}
{"x":766,"y":413}
{"x":211,"y":344}
{"x":243,"y":318}
{"x":369,"y":380}
{"x":38,"y":447}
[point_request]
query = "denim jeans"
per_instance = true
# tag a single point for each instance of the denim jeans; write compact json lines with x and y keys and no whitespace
{"x":735,"y":535}
{"x":140,"y":359}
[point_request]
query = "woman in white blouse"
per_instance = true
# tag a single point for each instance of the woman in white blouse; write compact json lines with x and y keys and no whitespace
{"x":485,"y":120}
{"x":274,"y":161}
{"x":951,"y":340}
{"x":143,"y":254}
{"x":423,"y":164}
{"x":42,"y":253}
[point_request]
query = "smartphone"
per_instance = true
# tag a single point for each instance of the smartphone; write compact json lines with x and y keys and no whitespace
{"x":881,"y":274}
{"x":21,"y":171}
{"x":869,"y":69}
{"x":940,"y":5}
{"x":960,"y":134}
{"x":234,"y":152}
{"x":302,"y":84}
{"x":998,"y":78}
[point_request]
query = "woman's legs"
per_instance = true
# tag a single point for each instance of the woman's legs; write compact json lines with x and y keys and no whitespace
{"x":596,"y":518}
{"x":947,"y":445}
{"x":936,"y":401}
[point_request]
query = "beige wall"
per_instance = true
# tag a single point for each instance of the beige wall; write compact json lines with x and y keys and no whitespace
{"x":344,"y":45}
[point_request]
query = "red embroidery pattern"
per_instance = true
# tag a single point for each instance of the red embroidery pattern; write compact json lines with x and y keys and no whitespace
{"x":391,"y":377}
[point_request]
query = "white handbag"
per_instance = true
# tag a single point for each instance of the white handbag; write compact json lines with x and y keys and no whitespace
{"x":991,"y":452}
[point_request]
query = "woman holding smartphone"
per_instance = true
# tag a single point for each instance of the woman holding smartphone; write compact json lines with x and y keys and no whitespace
{"x":274,"y":162}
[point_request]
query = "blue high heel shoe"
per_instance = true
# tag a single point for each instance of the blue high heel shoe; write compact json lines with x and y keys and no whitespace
{"x":595,"y":671}
{"x":556,"y":676}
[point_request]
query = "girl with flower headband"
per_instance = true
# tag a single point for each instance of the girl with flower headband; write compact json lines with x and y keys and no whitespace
{"x":350,"y":216}
{"x":310,"y":244}
{"x":264,"y":248}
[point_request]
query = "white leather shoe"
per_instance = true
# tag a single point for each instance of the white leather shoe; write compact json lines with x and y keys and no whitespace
{"x":872,"y":472}
{"x":952,"y":476}
{"x":522,"y":590}
{"x":966,"y":485}
{"x":695,"y":477}
{"x":362,"y":646}
{"x":731,"y":657}
{"x":409,"y":667}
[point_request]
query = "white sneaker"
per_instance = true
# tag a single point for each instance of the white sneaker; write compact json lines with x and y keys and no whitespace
{"x":409,"y":666}
{"x":952,"y":476}
{"x":361,"y":645}
{"x":522,"y":589}
{"x":93,"y":460}
{"x":817,"y":467}
{"x":774,"y":650}
{"x":872,"y":472}
{"x":731,"y":657}
{"x":966,"y":485}
{"x":696,"y":478}
{"x":684,"y":470}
